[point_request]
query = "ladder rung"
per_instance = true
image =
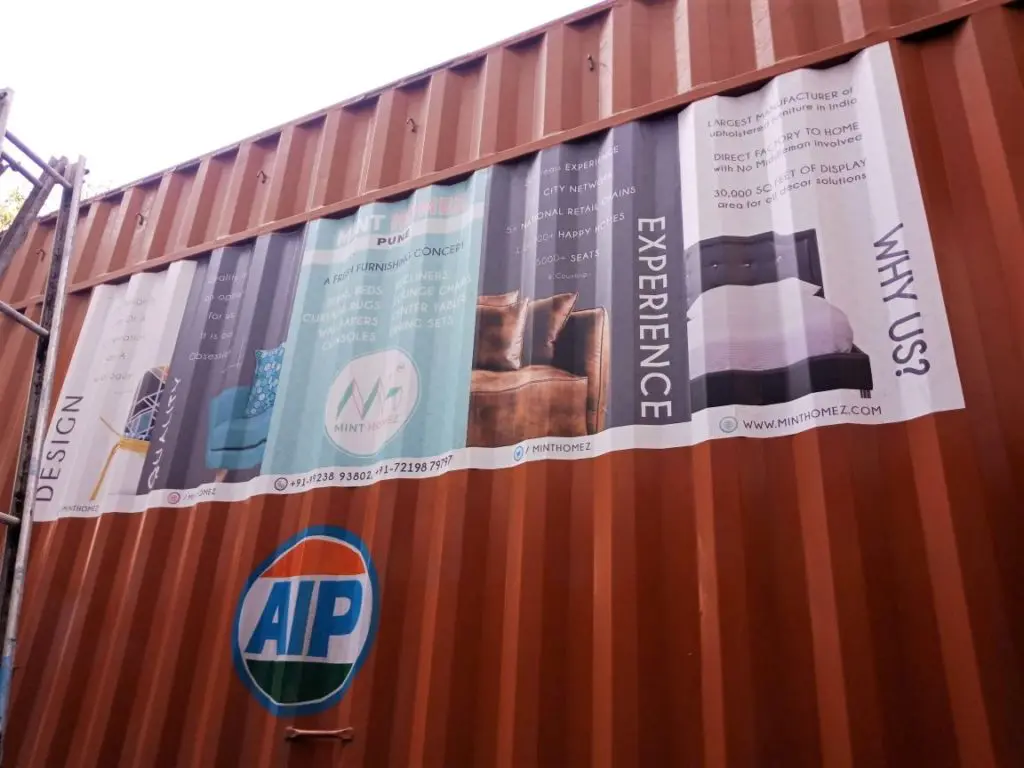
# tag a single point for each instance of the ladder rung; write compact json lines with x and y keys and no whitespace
{"x":10,"y":520}
{"x":16,"y":166}
{"x":47,"y":169}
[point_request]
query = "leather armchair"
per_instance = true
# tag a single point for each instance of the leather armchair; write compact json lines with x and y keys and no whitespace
{"x":567,"y":398}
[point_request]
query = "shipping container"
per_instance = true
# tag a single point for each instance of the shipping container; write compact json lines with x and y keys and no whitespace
{"x":641,"y":391}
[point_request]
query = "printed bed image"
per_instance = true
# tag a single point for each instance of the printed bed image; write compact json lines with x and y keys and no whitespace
{"x":760,"y":328}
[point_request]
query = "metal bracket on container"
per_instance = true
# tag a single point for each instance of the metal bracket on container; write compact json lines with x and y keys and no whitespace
{"x":344,"y":735}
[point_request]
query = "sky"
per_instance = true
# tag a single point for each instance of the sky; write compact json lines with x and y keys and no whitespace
{"x":136,"y":88}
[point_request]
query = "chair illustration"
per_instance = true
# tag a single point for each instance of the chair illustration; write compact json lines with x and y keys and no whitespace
{"x":240,"y":418}
{"x":134,"y":438}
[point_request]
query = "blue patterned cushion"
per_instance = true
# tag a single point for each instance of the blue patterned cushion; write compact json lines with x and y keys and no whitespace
{"x":264,"y":384}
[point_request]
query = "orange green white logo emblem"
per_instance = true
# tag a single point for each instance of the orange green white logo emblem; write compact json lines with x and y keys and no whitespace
{"x":306,"y":620}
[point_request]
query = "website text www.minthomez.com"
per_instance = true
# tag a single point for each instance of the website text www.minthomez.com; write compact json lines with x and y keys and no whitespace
{"x":785,"y":422}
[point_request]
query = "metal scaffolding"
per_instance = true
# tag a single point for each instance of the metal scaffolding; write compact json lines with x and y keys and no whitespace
{"x":47,"y":329}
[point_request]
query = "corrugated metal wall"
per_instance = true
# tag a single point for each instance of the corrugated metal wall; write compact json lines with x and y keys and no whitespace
{"x":848,"y":596}
{"x":541,"y":86}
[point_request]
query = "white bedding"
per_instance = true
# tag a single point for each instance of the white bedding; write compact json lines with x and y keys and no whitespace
{"x":761,"y":327}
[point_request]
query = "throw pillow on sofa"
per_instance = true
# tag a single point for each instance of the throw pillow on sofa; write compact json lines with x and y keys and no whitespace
{"x":498,"y":300}
{"x":546,"y":320}
{"x":265,"y":380}
{"x":499,"y":336}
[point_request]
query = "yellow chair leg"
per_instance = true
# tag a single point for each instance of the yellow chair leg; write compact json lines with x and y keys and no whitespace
{"x":103,"y":474}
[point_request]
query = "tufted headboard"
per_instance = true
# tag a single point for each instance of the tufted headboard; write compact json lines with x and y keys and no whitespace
{"x":752,"y":260}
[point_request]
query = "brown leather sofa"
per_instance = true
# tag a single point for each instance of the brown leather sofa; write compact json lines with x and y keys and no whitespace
{"x":540,"y":369}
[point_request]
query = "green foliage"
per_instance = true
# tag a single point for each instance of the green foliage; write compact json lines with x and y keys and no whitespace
{"x":9,"y":207}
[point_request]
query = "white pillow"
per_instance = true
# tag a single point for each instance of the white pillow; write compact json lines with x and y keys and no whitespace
{"x":802,"y":285}
{"x":779,"y":287}
{"x":763,"y":327}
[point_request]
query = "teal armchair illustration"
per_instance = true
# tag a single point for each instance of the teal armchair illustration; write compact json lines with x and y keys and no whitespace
{"x":240,"y":418}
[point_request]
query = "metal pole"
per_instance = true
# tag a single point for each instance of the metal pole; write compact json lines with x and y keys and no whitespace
{"x":17,"y":317}
{"x":38,"y":160}
{"x":39,"y":408}
{"x":6,"y":97}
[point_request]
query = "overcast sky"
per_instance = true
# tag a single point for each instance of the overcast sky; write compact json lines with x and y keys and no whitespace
{"x":137,"y":87}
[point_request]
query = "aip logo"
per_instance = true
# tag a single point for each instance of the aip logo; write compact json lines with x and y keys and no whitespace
{"x":306,"y":620}
{"x":371,"y":400}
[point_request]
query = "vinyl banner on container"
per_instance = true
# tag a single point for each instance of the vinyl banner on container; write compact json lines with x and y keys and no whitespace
{"x":381,"y":334}
{"x":214,"y":418}
{"x":812,"y":292}
{"x":105,"y":415}
{"x":751,"y":266}
{"x":583,"y":252}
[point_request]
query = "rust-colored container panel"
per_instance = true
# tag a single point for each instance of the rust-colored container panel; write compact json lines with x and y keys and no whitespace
{"x":594,"y":65}
{"x":848,"y":596}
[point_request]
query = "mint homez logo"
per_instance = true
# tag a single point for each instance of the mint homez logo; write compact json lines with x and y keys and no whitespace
{"x":385,"y":397}
{"x":370,"y":401}
{"x":306,"y":620}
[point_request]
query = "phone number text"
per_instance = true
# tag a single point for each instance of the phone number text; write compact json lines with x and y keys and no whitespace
{"x":346,"y":476}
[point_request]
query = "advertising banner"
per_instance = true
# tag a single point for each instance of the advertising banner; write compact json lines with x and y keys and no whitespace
{"x":812,"y":292}
{"x":584,"y":248}
{"x":752,"y":266}
{"x":381,"y":334}
{"x":214,"y":420}
{"x":105,"y":415}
